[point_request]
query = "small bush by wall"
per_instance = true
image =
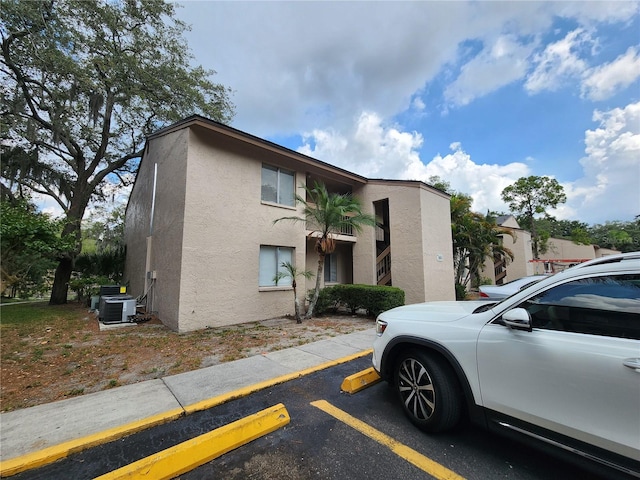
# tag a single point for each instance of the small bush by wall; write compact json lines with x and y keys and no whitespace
{"x":461,"y":291}
{"x":372,"y":298}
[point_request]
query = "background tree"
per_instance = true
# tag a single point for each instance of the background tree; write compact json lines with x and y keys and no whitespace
{"x":290,"y":271}
{"x":623,"y":236}
{"x":83,"y":83}
{"x":328,"y":214}
{"x":436,"y":182}
{"x":577,"y":232}
{"x":475,"y":238}
{"x":29,"y":244}
{"x":531,"y":196}
{"x":103,"y":252}
{"x":104,"y":228}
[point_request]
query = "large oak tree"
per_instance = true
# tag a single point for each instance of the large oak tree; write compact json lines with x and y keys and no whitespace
{"x":83,"y":83}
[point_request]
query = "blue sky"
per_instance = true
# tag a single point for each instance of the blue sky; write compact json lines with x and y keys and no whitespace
{"x":477,"y":93}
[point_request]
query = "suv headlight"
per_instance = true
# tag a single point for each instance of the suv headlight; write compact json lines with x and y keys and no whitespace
{"x":381,"y":326}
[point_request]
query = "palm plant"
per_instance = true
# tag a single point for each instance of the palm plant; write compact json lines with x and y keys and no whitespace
{"x":326,"y":215}
{"x":475,"y":237}
{"x":290,"y":271}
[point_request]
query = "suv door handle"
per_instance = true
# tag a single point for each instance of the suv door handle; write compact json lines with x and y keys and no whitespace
{"x":632,"y":363}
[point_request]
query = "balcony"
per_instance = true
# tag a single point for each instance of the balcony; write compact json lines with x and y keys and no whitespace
{"x":345,"y":231}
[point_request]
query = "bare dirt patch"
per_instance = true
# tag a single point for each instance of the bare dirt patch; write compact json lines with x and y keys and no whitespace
{"x":69,"y":356}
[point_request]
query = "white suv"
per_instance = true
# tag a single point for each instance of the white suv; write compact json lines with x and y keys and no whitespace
{"x":558,"y":362}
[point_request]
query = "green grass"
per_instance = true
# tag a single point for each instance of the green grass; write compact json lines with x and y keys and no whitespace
{"x":34,"y":313}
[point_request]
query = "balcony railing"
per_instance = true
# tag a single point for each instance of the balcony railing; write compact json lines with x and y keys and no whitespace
{"x":383,"y":267}
{"x":344,"y":230}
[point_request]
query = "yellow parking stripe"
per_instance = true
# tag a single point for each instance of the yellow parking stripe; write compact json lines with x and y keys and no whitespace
{"x":188,"y":455}
{"x":423,"y":463}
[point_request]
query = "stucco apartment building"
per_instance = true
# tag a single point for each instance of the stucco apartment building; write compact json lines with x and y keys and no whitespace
{"x":559,"y":254}
{"x":202,"y":246}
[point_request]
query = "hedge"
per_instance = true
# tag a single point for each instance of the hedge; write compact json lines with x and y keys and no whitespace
{"x":375,"y":299}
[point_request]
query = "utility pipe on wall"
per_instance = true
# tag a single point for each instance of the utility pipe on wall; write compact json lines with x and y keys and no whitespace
{"x":149,"y":278}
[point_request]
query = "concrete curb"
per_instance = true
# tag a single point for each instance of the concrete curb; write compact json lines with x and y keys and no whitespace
{"x":51,"y":454}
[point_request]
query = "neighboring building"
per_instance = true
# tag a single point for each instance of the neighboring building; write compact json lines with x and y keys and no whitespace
{"x":519,"y":242}
{"x":562,"y":253}
{"x":202,"y":246}
{"x":559,"y":254}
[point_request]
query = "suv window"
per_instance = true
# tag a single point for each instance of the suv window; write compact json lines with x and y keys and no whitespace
{"x":604,"y":305}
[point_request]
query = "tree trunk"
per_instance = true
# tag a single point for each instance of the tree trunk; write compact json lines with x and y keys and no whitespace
{"x":316,"y":293}
{"x":296,"y":302}
{"x":61,"y":282}
{"x":534,"y":240}
{"x":60,"y":288}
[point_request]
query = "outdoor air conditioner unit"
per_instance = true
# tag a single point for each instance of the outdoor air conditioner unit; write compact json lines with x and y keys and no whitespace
{"x":107,"y":291}
{"x":112,"y":290}
{"x":116,"y":309}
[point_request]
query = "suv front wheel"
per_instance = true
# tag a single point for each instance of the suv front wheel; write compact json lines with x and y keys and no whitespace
{"x":428,"y":390}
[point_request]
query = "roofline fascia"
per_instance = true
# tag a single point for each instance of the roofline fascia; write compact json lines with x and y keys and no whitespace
{"x":408,"y":183}
{"x":198,"y":120}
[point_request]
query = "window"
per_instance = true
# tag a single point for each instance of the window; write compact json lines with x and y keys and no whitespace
{"x":331,"y":268}
{"x":278,"y":186}
{"x":606,"y":305}
{"x":271,"y":259}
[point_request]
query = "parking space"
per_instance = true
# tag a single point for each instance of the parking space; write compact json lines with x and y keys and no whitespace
{"x":329,"y":434}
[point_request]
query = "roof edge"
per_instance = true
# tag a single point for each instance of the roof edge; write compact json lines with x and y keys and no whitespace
{"x":199,"y":120}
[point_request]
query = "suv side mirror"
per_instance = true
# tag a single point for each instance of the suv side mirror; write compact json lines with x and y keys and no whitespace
{"x":518,"y":319}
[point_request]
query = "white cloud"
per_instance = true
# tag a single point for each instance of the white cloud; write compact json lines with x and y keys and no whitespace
{"x":610,"y":186}
{"x":605,"y":11}
{"x":297,"y":66}
{"x":314,"y":67}
{"x":374,"y":150}
{"x":369,"y":148}
{"x":604,"y":81}
{"x":559,"y":62}
{"x":499,"y":64}
{"x":483,"y":182}
{"x":48,"y":205}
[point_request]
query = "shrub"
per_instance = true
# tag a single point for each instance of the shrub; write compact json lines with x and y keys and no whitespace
{"x":374,"y":299}
{"x":461,"y":291}
{"x":327,"y":301}
{"x":85,"y":287}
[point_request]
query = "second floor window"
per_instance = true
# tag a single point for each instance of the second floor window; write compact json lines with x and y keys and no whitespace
{"x":278,"y":186}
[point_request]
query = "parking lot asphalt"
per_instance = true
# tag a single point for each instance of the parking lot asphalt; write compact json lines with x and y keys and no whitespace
{"x":37,"y":436}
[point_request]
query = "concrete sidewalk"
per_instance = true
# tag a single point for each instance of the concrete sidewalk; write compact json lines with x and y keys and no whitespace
{"x":30,"y":430}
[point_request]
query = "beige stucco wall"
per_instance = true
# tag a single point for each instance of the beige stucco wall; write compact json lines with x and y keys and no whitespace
{"x":561,"y":249}
{"x":557,"y":249}
{"x":520,"y":245}
{"x":225,"y":224}
{"x":421,"y":244}
{"x":169,"y":153}
{"x":565,"y":249}
{"x":437,"y":246}
{"x":519,"y":242}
